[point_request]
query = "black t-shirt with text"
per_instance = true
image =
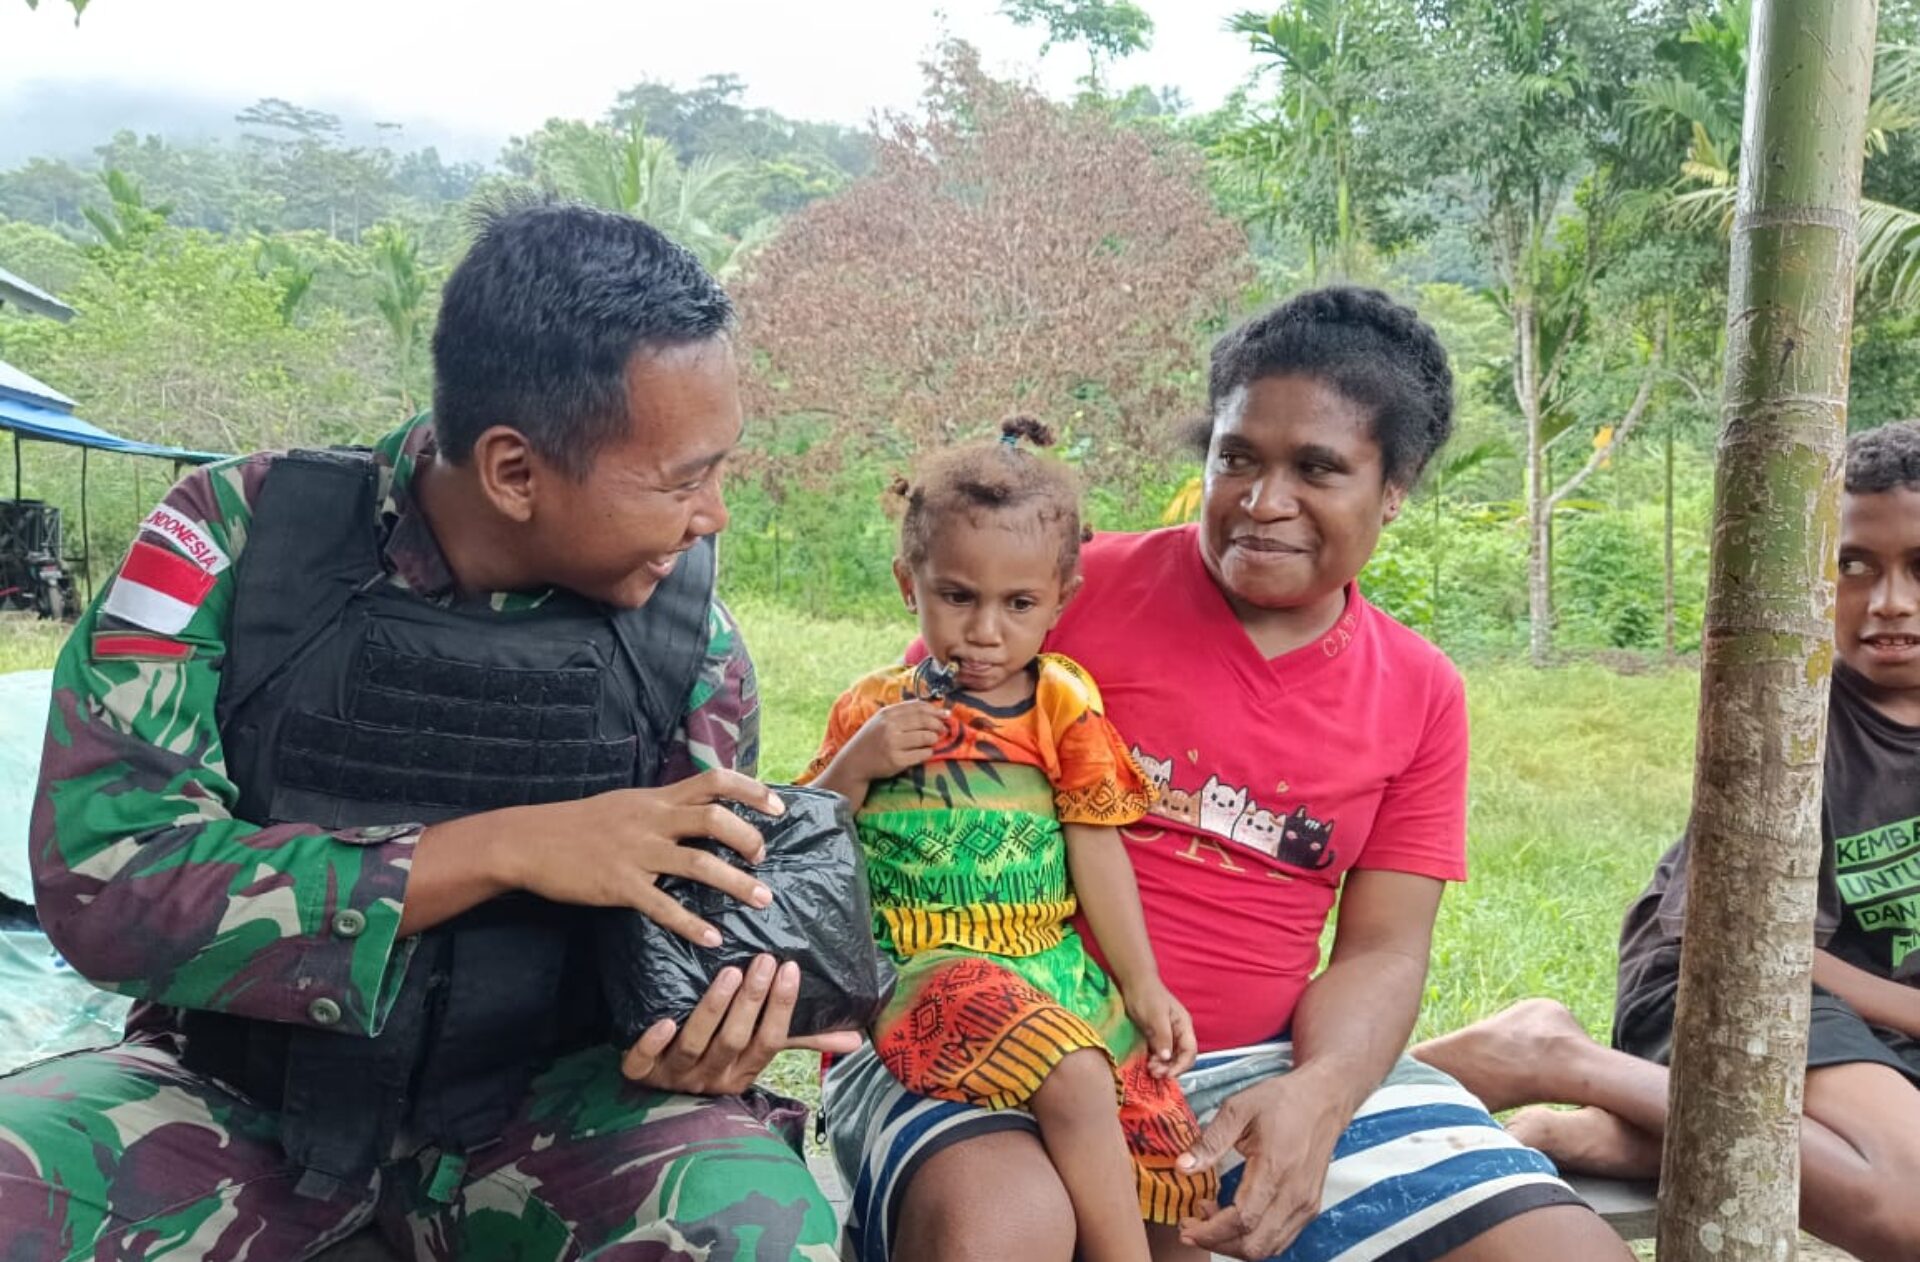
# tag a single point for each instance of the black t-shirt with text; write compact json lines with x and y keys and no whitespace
{"x":1869,"y":912}
{"x":1870,"y":821}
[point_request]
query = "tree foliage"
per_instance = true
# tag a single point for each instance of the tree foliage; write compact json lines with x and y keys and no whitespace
{"x":400,"y":290}
{"x":1110,"y":29}
{"x":640,"y":175}
{"x":1530,"y":127}
{"x":181,"y":339}
{"x":784,"y":163}
{"x":129,"y":221}
{"x":1509,"y":168}
{"x":1700,"y":99}
{"x":79,"y":7}
{"x":1007,"y":254}
{"x":1314,"y":155}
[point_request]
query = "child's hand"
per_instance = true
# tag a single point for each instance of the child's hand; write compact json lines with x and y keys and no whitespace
{"x":897,"y":737}
{"x":1166,"y":1025}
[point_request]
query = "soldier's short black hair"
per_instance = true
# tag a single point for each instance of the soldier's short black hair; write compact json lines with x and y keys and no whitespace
{"x":1374,"y":351}
{"x":538,"y":322}
{"x":1884,"y":459}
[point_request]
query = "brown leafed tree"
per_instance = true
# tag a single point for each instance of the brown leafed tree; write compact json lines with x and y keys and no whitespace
{"x":1007,"y":254}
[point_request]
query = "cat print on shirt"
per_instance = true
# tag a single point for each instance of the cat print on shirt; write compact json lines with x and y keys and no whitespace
{"x":1179,"y":806}
{"x":1305,"y":842}
{"x":1221,"y":806}
{"x":1296,"y":839}
{"x":1158,"y":770}
{"x":1259,"y":829}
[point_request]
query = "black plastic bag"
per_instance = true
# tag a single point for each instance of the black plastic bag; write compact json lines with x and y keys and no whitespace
{"x":821,"y":918}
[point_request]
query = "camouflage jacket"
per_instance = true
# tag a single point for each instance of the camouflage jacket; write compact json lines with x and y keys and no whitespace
{"x":144,"y":878}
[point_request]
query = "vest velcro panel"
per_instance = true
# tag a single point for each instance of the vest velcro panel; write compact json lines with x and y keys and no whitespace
{"x":461,"y":735}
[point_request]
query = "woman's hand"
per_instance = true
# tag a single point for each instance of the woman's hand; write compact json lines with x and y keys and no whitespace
{"x":738,"y":1026}
{"x":1286,"y":1128}
{"x":1166,"y":1025}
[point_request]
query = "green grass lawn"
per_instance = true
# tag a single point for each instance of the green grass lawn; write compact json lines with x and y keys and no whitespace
{"x":1580,"y":778}
{"x":26,"y":643}
{"x":1579,"y":781}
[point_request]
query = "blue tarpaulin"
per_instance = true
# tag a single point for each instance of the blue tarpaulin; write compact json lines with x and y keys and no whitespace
{"x":35,"y":410}
{"x":49,"y":1008}
{"x":50,"y":426}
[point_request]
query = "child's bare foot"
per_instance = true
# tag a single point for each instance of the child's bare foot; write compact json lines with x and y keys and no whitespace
{"x":1588,"y":1141}
{"x":1512,"y":1057}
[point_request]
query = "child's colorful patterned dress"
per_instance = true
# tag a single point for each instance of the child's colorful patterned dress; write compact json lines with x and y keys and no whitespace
{"x":968,"y":867}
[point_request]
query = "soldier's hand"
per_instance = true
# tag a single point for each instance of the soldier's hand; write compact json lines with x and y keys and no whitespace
{"x":612,"y":849}
{"x":734,"y":1031}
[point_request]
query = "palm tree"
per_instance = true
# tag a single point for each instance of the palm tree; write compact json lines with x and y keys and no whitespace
{"x":641,"y":175}
{"x":1304,"y":147}
{"x":128,"y":221}
{"x":400,"y":292}
{"x":1703,"y":100}
{"x":278,"y":260}
{"x":1730,"y":1165}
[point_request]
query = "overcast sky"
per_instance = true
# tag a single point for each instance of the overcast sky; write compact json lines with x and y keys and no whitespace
{"x":466,"y":74}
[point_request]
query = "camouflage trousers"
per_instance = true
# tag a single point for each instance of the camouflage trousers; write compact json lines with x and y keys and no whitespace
{"x":123,"y":1154}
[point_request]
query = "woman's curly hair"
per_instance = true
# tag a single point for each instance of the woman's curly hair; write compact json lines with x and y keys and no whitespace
{"x":1373,"y":350}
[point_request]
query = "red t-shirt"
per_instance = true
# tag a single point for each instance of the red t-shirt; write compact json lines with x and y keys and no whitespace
{"x":1278,"y":776}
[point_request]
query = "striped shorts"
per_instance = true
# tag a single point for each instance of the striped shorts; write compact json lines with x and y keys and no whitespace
{"x":1422,"y":1170}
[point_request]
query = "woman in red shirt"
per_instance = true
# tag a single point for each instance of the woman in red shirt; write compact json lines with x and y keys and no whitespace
{"x":1310,"y":752}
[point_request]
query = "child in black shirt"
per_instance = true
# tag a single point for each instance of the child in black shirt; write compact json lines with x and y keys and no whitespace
{"x":1860,"y":1137}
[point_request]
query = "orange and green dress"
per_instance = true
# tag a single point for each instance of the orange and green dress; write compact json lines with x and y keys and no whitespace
{"x":968,"y":867}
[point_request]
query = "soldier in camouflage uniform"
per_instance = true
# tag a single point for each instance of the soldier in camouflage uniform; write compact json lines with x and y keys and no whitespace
{"x":154,"y":887}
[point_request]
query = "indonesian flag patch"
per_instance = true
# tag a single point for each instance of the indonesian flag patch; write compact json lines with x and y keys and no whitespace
{"x":158,"y":588}
{"x":190,"y":537}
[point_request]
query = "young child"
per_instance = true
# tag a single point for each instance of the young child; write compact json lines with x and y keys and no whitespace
{"x":988,"y":785}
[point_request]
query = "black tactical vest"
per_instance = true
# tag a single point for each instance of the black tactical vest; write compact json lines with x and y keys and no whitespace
{"x":345,"y":702}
